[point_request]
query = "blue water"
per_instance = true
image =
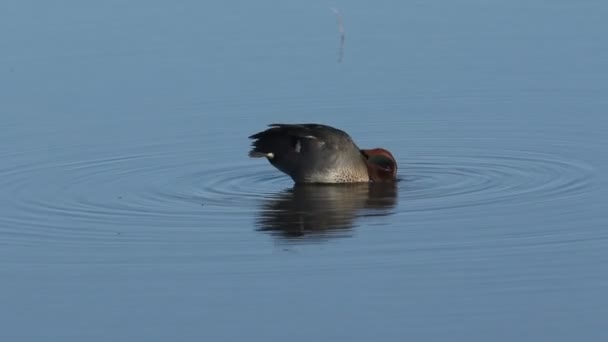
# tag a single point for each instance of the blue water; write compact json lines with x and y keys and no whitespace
{"x":129,"y":209}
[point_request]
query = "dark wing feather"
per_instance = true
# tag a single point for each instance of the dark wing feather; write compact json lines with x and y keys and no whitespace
{"x":294,"y":148}
{"x":281,"y":140}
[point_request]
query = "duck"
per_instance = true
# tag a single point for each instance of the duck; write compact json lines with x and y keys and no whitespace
{"x":316,"y":153}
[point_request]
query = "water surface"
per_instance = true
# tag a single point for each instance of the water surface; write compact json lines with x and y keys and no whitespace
{"x":130,"y":210}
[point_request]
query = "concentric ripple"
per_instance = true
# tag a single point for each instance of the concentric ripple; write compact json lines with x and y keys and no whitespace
{"x":450,"y":179}
{"x":67,"y":198}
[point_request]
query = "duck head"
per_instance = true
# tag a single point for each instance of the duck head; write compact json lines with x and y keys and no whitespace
{"x":381,"y":165}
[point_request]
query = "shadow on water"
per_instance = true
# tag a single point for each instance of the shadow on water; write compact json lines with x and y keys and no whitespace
{"x":314,"y":211}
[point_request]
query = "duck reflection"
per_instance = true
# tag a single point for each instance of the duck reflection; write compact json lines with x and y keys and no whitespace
{"x":324,"y":210}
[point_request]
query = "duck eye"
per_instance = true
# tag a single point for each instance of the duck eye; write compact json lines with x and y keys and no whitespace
{"x":382,"y":161}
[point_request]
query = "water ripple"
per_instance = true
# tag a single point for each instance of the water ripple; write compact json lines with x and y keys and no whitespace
{"x":442,"y":179}
{"x":92,"y":200}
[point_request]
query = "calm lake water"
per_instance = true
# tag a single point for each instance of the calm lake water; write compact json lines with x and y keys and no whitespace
{"x":131,"y":212}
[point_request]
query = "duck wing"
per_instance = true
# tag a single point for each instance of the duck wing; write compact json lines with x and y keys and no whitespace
{"x":294,"y":148}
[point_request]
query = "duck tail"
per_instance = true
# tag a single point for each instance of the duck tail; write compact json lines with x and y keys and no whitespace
{"x":266,"y":143}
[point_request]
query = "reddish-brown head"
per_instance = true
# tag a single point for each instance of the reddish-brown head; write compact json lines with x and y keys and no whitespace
{"x":381,"y":165}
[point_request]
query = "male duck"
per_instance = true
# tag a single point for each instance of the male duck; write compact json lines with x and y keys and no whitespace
{"x":313,"y":153}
